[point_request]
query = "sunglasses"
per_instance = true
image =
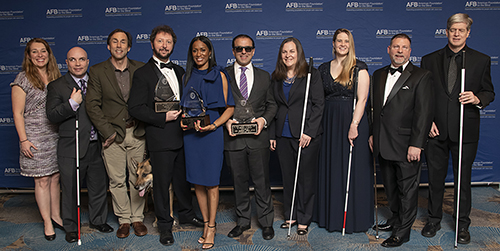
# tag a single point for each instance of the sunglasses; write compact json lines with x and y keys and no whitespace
{"x":240,"y":48}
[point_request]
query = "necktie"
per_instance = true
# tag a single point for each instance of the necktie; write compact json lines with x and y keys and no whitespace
{"x":243,"y":83}
{"x":452,"y":73}
{"x":394,"y":70}
{"x":168,"y":65}
{"x":83,"y":86}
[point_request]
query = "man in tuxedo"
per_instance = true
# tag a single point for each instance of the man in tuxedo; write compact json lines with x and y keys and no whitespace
{"x":123,"y":136}
{"x":445,"y":64}
{"x":164,"y":139}
{"x":402,"y":115}
{"x":248,"y":155}
{"x":65,"y":104}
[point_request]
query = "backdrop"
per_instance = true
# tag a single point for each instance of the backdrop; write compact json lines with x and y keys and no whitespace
{"x":65,"y":24}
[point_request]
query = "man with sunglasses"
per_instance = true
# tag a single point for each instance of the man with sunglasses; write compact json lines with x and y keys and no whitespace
{"x":248,"y":155}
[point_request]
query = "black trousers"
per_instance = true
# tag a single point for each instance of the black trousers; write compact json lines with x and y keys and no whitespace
{"x":169,"y":167}
{"x":287,"y":149}
{"x":401,"y":179}
{"x":437,"y":156}
{"x":245,"y":164}
{"x":92,"y":170}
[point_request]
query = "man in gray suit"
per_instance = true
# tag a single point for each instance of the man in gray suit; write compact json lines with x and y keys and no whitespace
{"x":123,"y":135}
{"x":248,"y":155}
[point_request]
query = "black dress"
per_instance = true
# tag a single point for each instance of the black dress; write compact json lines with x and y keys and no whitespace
{"x":334,"y":161}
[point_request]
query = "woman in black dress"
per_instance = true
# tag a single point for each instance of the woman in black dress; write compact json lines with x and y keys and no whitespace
{"x":289,"y":86}
{"x":343,"y":128}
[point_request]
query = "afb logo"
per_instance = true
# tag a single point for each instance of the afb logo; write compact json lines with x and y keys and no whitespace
{"x":83,"y":38}
{"x":24,"y":40}
{"x":440,"y":32}
{"x":411,"y":4}
{"x":171,"y":8}
{"x":322,"y":33}
{"x":231,"y":6}
{"x":111,"y":10}
{"x":230,"y":61}
{"x":471,"y":4}
{"x":143,"y":36}
{"x":262,"y":33}
{"x":382,"y":32}
{"x":352,"y":5}
{"x":292,"y":5}
{"x":202,"y":33}
{"x":52,"y":12}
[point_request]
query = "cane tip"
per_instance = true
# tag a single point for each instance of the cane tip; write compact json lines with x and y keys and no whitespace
{"x":376,"y":237}
{"x":79,"y":242}
{"x":456,"y":247}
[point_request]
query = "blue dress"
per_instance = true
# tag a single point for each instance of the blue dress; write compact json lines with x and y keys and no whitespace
{"x":334,"y":159}
{"x":204,"y":150}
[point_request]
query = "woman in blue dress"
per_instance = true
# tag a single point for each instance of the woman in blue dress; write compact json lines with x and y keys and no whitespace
{"x":204,"y":145}
{"x":343,"y":128}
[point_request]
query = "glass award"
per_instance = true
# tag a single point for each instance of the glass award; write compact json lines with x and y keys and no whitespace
{"x":243,"y":114}
{"x":194,"y":110}
{"x":164,"y":97}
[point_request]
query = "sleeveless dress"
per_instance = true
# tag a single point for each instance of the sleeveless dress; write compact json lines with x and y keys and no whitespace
{"x":39,"y":131}
{"x":334,"y":161}
{"x":204,"y":150}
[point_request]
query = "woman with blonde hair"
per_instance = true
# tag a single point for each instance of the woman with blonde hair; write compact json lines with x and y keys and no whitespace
{"x":343,"y":128}
{"x":37,"y":136}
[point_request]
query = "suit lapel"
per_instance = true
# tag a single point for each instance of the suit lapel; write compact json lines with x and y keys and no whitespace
{"x":234,"y":84}
{"x":383,"y":82}
{"x":399,"y":83}
{"x":109,"y":71}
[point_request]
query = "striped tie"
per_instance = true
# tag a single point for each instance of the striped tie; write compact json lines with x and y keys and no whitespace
{"x":243,"y":83}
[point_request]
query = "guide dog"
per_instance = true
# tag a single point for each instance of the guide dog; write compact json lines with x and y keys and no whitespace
{"x":144,"y":184}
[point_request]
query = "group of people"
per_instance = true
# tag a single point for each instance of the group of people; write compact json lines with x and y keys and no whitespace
{"x":403,"y":111}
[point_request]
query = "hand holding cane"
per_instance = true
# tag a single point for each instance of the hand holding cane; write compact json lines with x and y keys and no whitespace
{"x":460,"y":149}
{"x":354,"y":88}
{"x":300,"y":148}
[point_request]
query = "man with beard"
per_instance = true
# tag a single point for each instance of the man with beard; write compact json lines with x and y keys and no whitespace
{"x":163,"y":132}
{"x":123,"y":136}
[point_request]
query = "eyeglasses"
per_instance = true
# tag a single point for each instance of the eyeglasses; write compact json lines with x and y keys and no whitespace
{"x":240,"y":48}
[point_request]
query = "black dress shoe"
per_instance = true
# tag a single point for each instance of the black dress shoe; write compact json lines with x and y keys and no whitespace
{"x":302,"y":231}
{"x":430,"y":229}
{"x":195,"y":221}
{"x":56,"y":225}
{"x":383,"y":227}
{"x":393,"y":241}
{"x":103,"y":228}
{"x":285,"y":224}
{"x":237,"y":231}
{"x":71,"y":237}
{"x":166,"y":237}
{"x":50,"y":237}
{"x":463,"y":236}
{"x":267,"y":233}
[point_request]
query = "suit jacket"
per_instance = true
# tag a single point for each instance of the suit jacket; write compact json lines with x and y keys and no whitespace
{"x":295,"y":106}
{"x":262,"y":101}
{"x":160,"y":135}
{"x":447,"y":109}
{"x":406,"y":117}
{"x":106,"y":106}
{"x":59,"y":111}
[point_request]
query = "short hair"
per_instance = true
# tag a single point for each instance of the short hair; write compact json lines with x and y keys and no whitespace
{"x":162,"y":28}
{"x":243,"y":36}
{"x":401,"y":35}
{"x":459,"y":18}
{"x":129,"y":37}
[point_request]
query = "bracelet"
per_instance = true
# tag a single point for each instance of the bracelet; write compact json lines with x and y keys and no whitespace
{"x":215,"y":126}
{"x":355,"y":122}
{"x":22,"y":141}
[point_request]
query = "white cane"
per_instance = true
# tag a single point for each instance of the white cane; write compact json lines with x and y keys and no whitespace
{"x":460,"y":149}
{"x":354,"y":88}
{"x":374,"y":168}
{"x":300,"y":148}
{"x":78,"y":177}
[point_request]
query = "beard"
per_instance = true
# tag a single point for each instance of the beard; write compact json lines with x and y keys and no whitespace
{"x":157,"y":53}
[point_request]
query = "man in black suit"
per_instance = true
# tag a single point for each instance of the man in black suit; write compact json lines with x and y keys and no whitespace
{"x":445,"y":64}
{"x":65,"y":104}
{"x":402,"y":115}
{"x":164,"y":139}
{"x":248,"y":155}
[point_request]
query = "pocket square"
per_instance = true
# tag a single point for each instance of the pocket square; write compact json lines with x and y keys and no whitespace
{"x":406,"y":87}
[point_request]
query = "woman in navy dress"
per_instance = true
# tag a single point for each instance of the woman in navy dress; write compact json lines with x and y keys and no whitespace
{"x":289,"y":81}
{"x":204,"y":145}
{"x":342,"y":129}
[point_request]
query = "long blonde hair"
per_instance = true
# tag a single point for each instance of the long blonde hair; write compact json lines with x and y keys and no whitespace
{"x":349,"y":62}
{"x":31,"y":70}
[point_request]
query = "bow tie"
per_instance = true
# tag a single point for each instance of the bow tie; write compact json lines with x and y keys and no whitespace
{"x":168,"y":65}
{"x":394,"y":70}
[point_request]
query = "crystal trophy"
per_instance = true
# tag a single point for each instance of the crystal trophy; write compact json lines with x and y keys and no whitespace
{"x":243,"y":114}
{"x":164,"y":97}
{"x":194,"y":110}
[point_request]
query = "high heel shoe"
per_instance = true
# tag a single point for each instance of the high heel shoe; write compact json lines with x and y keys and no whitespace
{"x":201,"y":240}
{"x":50,"y":237}
{"x":210,"y":245}
{"x":286,"y":224}
{"x":56,"y":225}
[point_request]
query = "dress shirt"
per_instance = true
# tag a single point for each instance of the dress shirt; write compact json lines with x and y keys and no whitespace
{"x":391,"y":80}
{"x":248,"y":73}
{"x":74,"y":104}
{"x":171,"y":77}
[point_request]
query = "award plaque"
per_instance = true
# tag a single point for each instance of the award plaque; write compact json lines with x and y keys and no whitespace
{"x":243,"y":114}
{"x":164,"y":97}
{"x":194,"y":110}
